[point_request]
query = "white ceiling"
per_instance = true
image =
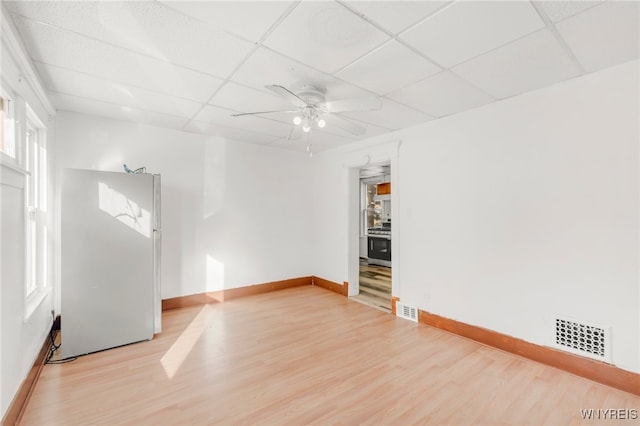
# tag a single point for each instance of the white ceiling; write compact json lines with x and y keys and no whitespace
{"x":190,"y":65}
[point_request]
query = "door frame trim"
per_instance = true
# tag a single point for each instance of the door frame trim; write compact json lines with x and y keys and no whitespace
{"x":386,"y":152}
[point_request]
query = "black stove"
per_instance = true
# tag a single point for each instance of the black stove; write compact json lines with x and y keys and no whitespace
{"x":384,"y":230}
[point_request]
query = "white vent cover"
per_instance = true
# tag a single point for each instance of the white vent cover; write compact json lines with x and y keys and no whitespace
{"x":407,"y":312}
{"x":582,"y":338}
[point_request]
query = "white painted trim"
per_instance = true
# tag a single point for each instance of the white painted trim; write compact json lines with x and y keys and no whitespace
{"x":33,"y":301}
{"x":353,"y":230}
{"x":17,"y":51}
{"x":373,"y":154}
{"x":11,"y":163}
{"x":12,"y":175}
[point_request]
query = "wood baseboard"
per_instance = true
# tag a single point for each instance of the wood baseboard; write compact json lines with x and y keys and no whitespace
{"x":20,"y":400}
{"x":233,"y":293}
{"x":342,"y":289}
{"x":600,"y":372}
{"x":394,"y":300}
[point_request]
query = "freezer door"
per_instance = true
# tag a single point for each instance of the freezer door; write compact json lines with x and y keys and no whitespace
{"x":107,"y":239}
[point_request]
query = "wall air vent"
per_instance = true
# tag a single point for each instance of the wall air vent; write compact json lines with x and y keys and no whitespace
{"x":584,"y":339}
{"x":407,"y":312}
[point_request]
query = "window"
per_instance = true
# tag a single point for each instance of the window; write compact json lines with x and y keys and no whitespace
{"x":7,"y":133}
{"x":36,"y":199}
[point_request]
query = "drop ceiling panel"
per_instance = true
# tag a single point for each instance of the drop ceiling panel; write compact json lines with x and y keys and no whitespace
{"x":466,"y":29}
{"x":147,"y":28}
{"x":534,"y":61}
{"x":388,"y":68}
{"x":330,"y":137}
{"x":558,"y":10}
{"x":395,"y":16}
{"x":324,"y":35}
{"x":317,"y":141}
{"x":215,"y":115}
{"x":604,"y":35}
{"x":248,"y":19}
{"x":163,"y":62}
{"x":371,"y":129}
{"x":266,"y":67}
{"x":300,"y":146}
{"x":392,"y":116}
{"x":229,"y":133}
{"x":65,"y":102}
{"x":246,"y":99}
{"x":68,"y":50}
{"x":85,"y":86}
{"x":441,"y":95}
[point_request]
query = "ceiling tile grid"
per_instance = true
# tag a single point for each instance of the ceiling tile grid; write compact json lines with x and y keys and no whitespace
{"x":534,"y":61}
{"x":395,"y":16}
{"x":220,"y":116}
{"x":147,"y":28}
{"x":266,"y":67}
{"x":85,"y":86}
{"x":53,"y":46}
{"x":605,"y":35}
{"x":392,"y":115}
{"x":249,"y":20}
{"x":325,"y":35}
{"x":558,"y":10}
{"x":67,"y":102}
{"x":441,"y":95}
{"x":232,"y":133}
{"x":391,"y":59}
{"x":234,"y":96}
{"x":466,"y":29}
{"x":190,"y":65}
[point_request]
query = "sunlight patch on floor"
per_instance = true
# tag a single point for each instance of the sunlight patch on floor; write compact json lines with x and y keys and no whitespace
{"x":181,"y":348}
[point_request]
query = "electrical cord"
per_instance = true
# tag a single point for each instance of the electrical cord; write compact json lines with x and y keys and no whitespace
{"x":54,"y":349}
{"x":51,"y":336}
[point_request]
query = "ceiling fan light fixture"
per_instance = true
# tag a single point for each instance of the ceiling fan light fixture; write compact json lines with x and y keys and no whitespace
{"x":310,"y":106}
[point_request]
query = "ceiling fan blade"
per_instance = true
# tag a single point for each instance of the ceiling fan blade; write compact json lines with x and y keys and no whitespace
{"x":287,"y":94}
{"x":344,"y":124}
{"x":295,"y":133}
{"x":262,"y":112}
{"x":353,"y":104}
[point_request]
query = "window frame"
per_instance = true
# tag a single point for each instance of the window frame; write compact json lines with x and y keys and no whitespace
{"x":8,"y":128}
{"x":36,"y":284}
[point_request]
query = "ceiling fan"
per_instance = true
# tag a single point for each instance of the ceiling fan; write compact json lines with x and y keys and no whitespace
{"x":311,"y":108}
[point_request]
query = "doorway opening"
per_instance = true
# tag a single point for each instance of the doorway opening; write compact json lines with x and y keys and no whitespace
{"x":374,"y":277}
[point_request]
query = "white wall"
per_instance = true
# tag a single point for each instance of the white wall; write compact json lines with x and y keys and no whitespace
{"x":233,"y":214}
{"x":513,"y":212}
{"x":21,"y":332}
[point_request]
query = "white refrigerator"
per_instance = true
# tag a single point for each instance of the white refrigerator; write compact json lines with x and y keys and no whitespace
{"x":110,"y":264}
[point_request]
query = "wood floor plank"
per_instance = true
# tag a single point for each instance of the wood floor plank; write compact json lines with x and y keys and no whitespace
{"x":306,"y":355}
{"x":375,"y":286}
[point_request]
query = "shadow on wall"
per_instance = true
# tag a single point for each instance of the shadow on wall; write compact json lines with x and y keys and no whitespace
{"x":123,"y":209}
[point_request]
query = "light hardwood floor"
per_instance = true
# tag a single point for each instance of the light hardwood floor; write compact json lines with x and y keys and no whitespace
{"x":306,"y":355}
{"x":375,"y":286}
